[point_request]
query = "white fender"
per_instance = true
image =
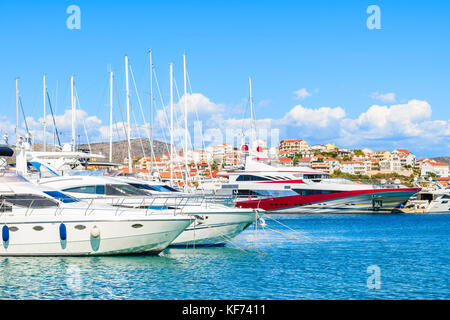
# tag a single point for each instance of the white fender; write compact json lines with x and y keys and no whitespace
{"x":95,"y":232}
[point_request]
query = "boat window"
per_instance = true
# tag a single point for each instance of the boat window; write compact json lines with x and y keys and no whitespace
{"x":313,"y":176}
{"x":265,"y":193}
{"x":308,"y":192}
{"x":166,"y":189}
{"x":426,"y":196}
{"x":28,"y":201}
{"x":61,"y":196}
{"x":248,"y":177}
{"x":100,"y":189}
{"x":82,"y":189}
{"x":143,"y":186}
{"x":4,"y":207}
{"x":161,"y":188}
{"x":123,"y":190}
{"x":246,"y":192}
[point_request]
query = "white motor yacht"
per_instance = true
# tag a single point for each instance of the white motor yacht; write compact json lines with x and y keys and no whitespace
{"x":41,"y":221}
{"x":279,"y":189}
{"x":429,"y":201}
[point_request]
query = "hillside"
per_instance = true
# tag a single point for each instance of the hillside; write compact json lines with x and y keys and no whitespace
{"x":443,"y":159}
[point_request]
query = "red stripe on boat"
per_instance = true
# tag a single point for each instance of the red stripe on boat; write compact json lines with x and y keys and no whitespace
{"x":298,"y":200}
{"x":283,"y":181}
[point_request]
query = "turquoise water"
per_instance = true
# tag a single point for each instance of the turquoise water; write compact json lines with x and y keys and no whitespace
{"x":411,"y":251}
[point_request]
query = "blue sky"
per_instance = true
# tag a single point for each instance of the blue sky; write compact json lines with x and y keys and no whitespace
{"x":323,"y":47}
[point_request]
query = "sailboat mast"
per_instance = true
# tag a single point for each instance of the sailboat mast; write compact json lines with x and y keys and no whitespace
{"x":151,"y":112}
{"x":111,"y":76}
{"x":171,"y":123}
{"x":17,"y":110}
{"x":185,"y":122}
{"x":128,"y":115}
{"x":45,"y":114}
{"x":72,"y":99}
{"x":56,"y":108}
{"x":251,"y":114}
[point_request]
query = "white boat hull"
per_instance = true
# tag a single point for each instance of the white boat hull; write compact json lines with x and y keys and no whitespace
{"x":116,"y":237}
{"x":216,"y":228}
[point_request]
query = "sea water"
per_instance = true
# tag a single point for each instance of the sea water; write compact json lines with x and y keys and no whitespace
{"x":294,"y":257}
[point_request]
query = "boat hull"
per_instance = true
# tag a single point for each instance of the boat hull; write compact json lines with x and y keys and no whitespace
{"x":216,"y":228}
{"x":360,"y":201}
{"x":43,"y":238}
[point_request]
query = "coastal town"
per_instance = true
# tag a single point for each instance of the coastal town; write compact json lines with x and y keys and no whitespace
{"x":364,"y":163}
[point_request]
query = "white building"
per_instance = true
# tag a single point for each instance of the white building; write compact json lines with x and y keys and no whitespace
{"x":318,"y":148}
{"x":406,"y":158}
{"x":353,"y":167}
{"x":438,"y":168}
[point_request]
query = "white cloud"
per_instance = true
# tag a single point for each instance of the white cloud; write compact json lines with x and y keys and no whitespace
{"x":395,"y":121}
{"x":321,"y":117}
{"x":385,"y":97}
{"x":197,"y":102}
{"x":83,"y":123}
{"x":301,"y":93}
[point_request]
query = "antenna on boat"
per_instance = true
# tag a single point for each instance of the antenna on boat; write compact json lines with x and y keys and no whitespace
{"x":130,"y":170}
{"x":171,"y":123}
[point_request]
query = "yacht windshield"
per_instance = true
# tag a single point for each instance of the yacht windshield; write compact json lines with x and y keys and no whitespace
{"x":64,"y":198}
{"x":123,"y":190}
{"x":161,"y":188}
{"x":28,"y":201}
{"x":166,"y":189}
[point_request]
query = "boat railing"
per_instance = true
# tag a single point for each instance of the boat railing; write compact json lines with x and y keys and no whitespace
{"x":29,"y":206}
{"x":370,"y":182}
{"x":179,"y":202}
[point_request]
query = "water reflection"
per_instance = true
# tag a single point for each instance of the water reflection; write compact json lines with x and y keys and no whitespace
{"x":411,"y":251}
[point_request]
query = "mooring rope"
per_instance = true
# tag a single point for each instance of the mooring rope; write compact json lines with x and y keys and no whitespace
{"x":231,"y":239}
{"x":290,"y":229}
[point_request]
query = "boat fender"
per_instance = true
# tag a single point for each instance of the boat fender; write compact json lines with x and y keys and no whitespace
{"x":95,"y":232}
{"x":5,"y":233}
{"x":62,"y":231}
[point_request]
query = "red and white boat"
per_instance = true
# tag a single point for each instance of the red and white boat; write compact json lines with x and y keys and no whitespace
{"x":304,"y":190}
